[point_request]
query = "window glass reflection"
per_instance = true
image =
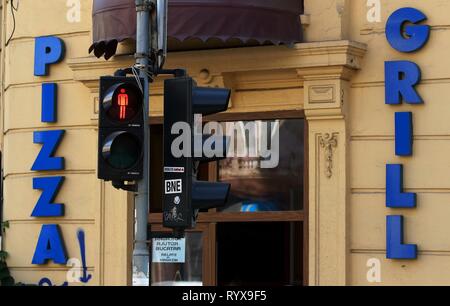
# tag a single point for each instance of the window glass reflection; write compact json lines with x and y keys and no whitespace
{"x":264,"y":166}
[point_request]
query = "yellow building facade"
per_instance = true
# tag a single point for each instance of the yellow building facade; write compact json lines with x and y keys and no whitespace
{"x":334,"y":80}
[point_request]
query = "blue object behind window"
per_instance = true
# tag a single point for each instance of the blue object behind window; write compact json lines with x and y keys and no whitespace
{"x":257,"y":207}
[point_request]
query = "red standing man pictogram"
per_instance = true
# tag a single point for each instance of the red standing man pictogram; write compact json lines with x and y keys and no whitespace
{"x":123,"y":103}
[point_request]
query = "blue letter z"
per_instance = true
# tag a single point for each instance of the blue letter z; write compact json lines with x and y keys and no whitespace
{"x":45,"y":161}
{"x":45,"y":206}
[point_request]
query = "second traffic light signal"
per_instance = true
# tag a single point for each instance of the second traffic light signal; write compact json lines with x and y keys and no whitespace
{"x":184,"y":196}
{"x":121,"y":129}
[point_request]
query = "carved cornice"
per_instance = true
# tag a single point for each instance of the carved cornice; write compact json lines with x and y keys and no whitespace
{"x":308,"y":59}
{"x":314,"y":66}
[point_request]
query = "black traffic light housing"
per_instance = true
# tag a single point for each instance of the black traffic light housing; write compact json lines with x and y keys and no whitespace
{"x":184,"y":196}
{"x":121,"y":129}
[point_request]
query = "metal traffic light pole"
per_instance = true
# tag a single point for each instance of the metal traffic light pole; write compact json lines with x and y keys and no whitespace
{"x":141,"y":254}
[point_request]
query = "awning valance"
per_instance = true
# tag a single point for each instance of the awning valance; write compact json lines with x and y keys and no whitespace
{"x":213,"y":23}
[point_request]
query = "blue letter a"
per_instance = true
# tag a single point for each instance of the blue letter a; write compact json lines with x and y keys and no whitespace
{"x":50,"y":246}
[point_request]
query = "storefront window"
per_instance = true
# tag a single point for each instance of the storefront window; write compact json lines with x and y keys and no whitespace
{"x":188,"y":273}
{"x":265,"y":166}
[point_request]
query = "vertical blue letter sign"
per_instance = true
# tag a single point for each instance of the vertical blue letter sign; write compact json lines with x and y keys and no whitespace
{"x":414,"y":36}
{"x":47,"y":50}
{"x":405,"y":34}
{"x":50,"y":245}
{"x":394,"y":237}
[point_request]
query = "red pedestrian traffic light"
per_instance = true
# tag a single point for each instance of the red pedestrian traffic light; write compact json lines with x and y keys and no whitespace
{"x":122,"y":103}
{"x":121,"y":135}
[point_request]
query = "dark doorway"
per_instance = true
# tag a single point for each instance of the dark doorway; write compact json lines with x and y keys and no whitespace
{"x":260,"y":254}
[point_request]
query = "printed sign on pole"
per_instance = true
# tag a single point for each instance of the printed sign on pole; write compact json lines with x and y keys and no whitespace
{"x":169,"y":250}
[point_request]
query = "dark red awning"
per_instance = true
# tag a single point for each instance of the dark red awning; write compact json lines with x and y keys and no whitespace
{"x":225,"y":23}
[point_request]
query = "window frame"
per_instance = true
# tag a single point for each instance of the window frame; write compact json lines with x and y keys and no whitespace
{"x":207,"y":220}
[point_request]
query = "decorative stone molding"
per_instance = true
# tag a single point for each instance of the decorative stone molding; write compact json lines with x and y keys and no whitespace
{"x":328,"y":142}
{"x":310,"y":60}
{"x":244,"y":70}
{"x":326,"y":94}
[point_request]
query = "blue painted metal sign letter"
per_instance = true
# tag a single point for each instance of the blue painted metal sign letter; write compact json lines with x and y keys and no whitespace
{"x":47,"y":50}
{"x":45,"y":206}
{"x":45,"y":161}
{"x":403,"y":134}
{"x":406,"y":37}
{"x":395,"y":197}
{"x":49,"y":99}
{"x":50,"y":246}
{"x":401,"y":77}
{"x":394,"y":237}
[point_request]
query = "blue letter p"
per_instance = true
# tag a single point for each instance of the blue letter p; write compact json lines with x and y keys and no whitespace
{"x":47,"y":50}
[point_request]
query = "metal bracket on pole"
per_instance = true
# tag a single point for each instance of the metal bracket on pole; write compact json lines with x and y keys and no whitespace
{"x":175,"y":72}
{"x":124,"y":186}
{"x":144,"y":5}
{"x":165,"y":235}
{"x":140,"y":55}
{"x":123,"y":72}
{"x":175,"y":235}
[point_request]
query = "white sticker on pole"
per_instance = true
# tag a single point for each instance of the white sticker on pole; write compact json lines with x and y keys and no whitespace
{"x":169,"y":250}
{"x":173,"y":186}
{"x":173,"y":169}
